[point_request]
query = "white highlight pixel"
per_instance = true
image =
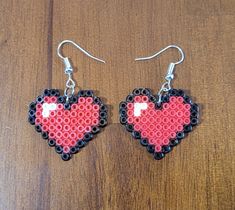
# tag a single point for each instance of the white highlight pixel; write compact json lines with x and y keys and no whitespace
{"x":138,"y":107}
{"x":46,"y":108}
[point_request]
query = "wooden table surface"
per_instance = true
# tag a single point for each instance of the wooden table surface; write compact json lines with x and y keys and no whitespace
{"x":114,"y":171}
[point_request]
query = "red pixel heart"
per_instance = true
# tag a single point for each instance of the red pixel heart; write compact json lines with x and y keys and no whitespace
{"x":159,"y":126}
{"x":67,"y":125}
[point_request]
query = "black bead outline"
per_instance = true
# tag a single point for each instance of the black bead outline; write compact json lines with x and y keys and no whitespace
{"x":144,"y":141}
{"x":103,"y":118}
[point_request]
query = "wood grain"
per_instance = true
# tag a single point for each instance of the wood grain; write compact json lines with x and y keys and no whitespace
{"x":114,"y":171}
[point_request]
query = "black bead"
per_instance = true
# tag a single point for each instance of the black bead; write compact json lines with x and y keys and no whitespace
{"x":74,"y":150}
{"x":145,"y":91}
{"x":44,"y":135}
{"x":165,"y":98}
{"x":173,"y":92}
{"x":95,"y":130}
{"x":123,"y":112}
{"x":194,"y":114}
{"x":32,"y":106}
{"x":103,"y":108}
{"x":166,"y":149}
{"x":38,"y":128}
{"x":53,"y":92}
{"x":65,"y":156}
{"x":194,"y":107}
{"x":150,"y":148}
{"x":31,"y":120}
{"x":39,"y":99}
{"x":58,"y":149}
{"x":81,"y":144}
{"x":188,"y":128}
{"x":144,"y":142}
{"x":103,"y":123}
{"x":61,"y":99}
{"x":180,"y":135}
{"x":88,"y":137}
{"x":103,"y":115}
{"x":130,"y":98}
{"x":73,"y":99}
{"x":180,"y":93}
{"x":122,"y":105}
{"x":89,"y":93}
{"x":129,"y":127}
{"x":31,"y":113}
{"x":81,"y":93}
{"x":136,"y":134}
{"x":137,"y":91}
{"x":174,"y":142}
{"x":67,"y":106}
{"x":152,"y":98}
{"x":159,"y":155}
{"x":47,"y":92}
{"x":158,"y":105}
{"x":97,"y":100}
{"x":194,"y":121}
{"x":57,"y":92}
{"x":187,"y":100}
{"x":123,"y":120}
{"x":51,"y":142}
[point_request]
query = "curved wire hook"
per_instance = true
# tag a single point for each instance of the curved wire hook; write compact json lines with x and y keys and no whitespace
{"x":77,"y":46}
{"x":161,"y":51}
{"x":171,"y":66}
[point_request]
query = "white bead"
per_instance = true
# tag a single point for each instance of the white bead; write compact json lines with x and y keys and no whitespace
{"x":46,"y":108}
{"x":138,"y":107}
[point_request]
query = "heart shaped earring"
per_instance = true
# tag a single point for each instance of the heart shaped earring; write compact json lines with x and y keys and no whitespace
{"x":67,"y":122}
{"x":159,"y":122}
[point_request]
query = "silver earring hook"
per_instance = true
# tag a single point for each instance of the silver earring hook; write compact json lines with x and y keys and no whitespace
{"x":161,"y":51}
{"x":70,"y":84}
{"x":77,"y":46}
{"x":171,"y":65}
{"x":68,"y":66}
{"x":170,"y":76}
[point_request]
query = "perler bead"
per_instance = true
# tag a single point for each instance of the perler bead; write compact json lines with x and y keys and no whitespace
{"x":158,"y":126}
{"x":67,"y":125}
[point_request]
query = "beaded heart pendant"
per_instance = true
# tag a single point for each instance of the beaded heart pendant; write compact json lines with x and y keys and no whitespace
{"x":158,"y":126}
{"x":67,"y":125}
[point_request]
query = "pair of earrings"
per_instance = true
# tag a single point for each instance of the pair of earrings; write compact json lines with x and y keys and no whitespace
{"x":69,"y":121}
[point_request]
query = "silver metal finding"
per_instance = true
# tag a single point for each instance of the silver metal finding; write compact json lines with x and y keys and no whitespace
{"x":170,"y":70}
{"x":70,"y":84}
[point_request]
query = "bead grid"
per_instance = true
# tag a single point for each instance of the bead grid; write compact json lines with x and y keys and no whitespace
{"x":158,"y":126}
{"x":67,"y":125}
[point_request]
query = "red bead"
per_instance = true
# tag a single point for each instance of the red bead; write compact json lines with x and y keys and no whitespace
{"x":46,"y":99}
{"x":45,"y":128}
{"x":66,"y":149}
{"x":52,"y":135}
{"x":89,"y":100}
{"x":53,"y":99}
{"x":59,"y":142}
{"x":60,"y":106}
{"x":81,"y":100}
{"x":39,"y":107}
